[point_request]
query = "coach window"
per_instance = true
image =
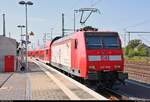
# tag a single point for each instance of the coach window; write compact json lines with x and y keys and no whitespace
{"x":76,"y":43}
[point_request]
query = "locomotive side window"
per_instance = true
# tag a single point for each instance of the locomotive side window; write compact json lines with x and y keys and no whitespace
{"x":76,"y":43}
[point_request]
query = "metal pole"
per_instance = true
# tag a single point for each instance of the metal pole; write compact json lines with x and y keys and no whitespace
{"x":129,"y":36}
{"x":26,"y":40}
{"x":74,"y":21}
{"x":4,"y":30}
{"x":51,"y":33}
{"x":21,"y":46}
{"x":125,"y":40}
{"x":38,"y":43}
{"x":9,"y":35}
{"x":62,"y":24}
{"x":44,"y":40}
{"x":21,"y":35}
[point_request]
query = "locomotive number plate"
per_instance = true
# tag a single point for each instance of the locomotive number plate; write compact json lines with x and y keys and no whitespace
{"x":104,"y":58}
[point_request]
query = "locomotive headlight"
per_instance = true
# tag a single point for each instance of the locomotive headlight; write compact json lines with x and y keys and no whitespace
{"x":92,"y":67}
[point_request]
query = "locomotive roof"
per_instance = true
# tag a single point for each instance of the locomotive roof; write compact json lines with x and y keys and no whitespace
{"x":63,"y":38}
{"x":101,"y":31}
{"x":70,"y":36}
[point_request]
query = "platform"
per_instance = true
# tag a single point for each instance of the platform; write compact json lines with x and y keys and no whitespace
{"x":43,"y":83}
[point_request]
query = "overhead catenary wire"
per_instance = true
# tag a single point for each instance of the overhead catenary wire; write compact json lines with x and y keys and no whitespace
{"x":75,"y":4}
{"x":95,"y":3}
{"x":57,"y":25}
{"x":57,"y":29}
{"x":92,"y":5}
{"x":144,"y":38}
{"x":133,"y":26}
{"x":138,"y":24}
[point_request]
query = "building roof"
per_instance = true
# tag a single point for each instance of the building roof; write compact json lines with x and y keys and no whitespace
{"x":6,"y":42}
{"x":6,"y":38}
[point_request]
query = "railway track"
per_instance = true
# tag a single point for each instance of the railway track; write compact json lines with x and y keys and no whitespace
{"x":113,"y":95}
{"x":125,"y":94}
{"x":138,"y":72}
{"x":138,"y":63}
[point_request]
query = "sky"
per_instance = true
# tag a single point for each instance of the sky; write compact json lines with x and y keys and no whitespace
{"x":44,"y":16}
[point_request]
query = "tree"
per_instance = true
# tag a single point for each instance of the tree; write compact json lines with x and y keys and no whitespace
{"x":131,"y":53}
{"x":143,"y":51}
{"x":134,"y":43}
{"x":136,"y":48}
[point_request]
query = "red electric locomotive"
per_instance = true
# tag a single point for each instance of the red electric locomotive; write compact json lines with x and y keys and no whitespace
{"x":90,"y":54}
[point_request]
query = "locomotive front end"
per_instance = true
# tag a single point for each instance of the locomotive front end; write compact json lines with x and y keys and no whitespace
{"x":105,"y":60}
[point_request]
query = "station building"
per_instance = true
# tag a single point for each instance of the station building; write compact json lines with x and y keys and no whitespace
{"x":8,"y":50}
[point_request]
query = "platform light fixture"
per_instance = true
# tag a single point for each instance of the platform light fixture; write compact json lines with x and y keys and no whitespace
{"x":26,"y":4}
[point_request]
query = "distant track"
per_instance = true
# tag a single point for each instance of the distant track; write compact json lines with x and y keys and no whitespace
{"x":138,"y":72}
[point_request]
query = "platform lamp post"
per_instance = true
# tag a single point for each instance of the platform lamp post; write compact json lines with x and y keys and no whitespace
{"x":21,"y":26}
{"x":26,"y":4}
{"x":21,"y":52}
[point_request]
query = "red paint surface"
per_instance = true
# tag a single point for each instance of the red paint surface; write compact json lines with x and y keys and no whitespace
{"x":9,"y":63}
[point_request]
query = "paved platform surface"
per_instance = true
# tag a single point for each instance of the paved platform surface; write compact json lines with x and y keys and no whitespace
{"x":38,"y":84}
{"x":14,"y":88}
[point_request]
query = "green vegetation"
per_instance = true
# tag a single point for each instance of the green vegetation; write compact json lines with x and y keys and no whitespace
{"x":137,"y":48}
{"x":137,"y":51}
{"x":138,"y":59}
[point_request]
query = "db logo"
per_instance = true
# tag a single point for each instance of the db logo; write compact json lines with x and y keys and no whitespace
{"x":104,"y":58}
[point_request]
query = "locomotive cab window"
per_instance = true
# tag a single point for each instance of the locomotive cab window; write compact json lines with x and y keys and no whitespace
{"x":111,"y":42}
{"x":102,"y":41}
{"x":94,"y":42}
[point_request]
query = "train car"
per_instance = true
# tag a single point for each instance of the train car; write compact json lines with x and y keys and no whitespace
{"x":36,"y":53}
{"x":41,"y":54}
{"x":30,"y":53}
{"x":47,"y":55}
{"x":90,"y":54}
